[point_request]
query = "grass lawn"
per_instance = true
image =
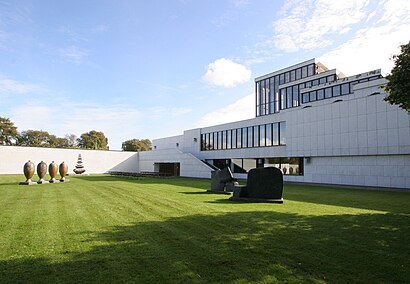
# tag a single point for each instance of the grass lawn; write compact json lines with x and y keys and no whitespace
{"x":106,"y":229}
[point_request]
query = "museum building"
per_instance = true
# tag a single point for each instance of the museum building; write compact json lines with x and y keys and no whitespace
{"x":315,"y":124}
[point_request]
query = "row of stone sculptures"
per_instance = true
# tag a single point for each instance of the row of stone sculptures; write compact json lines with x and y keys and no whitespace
{"x":42,"y":171}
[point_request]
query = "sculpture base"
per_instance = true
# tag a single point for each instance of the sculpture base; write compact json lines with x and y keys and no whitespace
{"x":219,"y":192}
{"x":261,"y":200}
{"x":42,"y":182}
{"x":27,"y":182}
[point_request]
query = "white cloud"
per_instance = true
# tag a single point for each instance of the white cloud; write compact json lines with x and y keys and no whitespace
{"x":372,"y":47}
{"x":309,"y":24}
{"x":9,"y":86}
{"x":226,"y":73}
{"x":73,"y":53}
{"x":239,"y":110}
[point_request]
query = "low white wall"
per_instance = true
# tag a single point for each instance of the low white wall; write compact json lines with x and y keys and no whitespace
{"x":390,"y":171}
{"x":190,"y":166}
{"x":13,"y":158}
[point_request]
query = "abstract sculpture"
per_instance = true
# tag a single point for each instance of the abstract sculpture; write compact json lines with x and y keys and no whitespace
{"x":41,"y":172}
{"x":263,"y":184}
{"x":79,"y":167}
{"x":52,"y":170}
{"x":28,"y":170}
{"x":222,"y":181}
{"x":63,"y":169}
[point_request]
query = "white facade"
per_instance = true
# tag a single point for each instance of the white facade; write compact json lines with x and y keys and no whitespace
{"x":351,"y":139}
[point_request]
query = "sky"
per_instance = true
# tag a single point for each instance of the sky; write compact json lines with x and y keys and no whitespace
{"x":152,"y":69}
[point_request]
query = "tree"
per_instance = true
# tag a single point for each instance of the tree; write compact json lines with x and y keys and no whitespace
{"x":398,"y":86}
{"x":57,"y":142}
{"x":72,"y":140}
{"x":8,"y":132}
{"x":93,"y":140}
{"x":36,"y":138}
{"x":137,"y":145}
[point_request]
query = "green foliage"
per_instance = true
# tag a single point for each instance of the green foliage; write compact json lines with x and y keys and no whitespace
{"x":36,"y":138}
{"x":137,"y":145}
{"x":8,"y":132}
{"x":398,"y":86}
{"x":93,"y":140}
{"x":102,"y":229}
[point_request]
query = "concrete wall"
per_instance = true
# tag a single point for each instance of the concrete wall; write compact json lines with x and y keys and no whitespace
{"x":190,"y":166}
{"x":12,"y":159}
{"x":358,"y":139}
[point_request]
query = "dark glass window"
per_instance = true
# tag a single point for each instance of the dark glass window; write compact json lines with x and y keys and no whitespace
{"x":304,"y":71}
{"x":257,"y":88}
{"x":336,"y":91}
{"x":219,"y":139}
{"x":282,"y":133}
{"x":283,"y":98}
{"x":315,"y":82}
{"x":262,"y":138}
{"x":322,"y":80}
{"x":308,"y":84}
{"x":301,"y":85}
{"x":295,"y":92}
{"x":281,"y":79}
{"x":292,"y":75}
{"x":272,"y":107}
{"x":330,"y":78}
{"x":320,"y":94}
{"x":328,"y":92}
{"x":256,"y":136}
{"x":287,"y":77}
{"x":312,"y":96}
{"x":272,"y":89}
{"x":298,"y":74}
{"x":289,"y":96}
{"x":311,"y":69}
{"x":244,"y":137}
{"x":345,"y":89}
{"x":305,"y":97}
{"x":228,"y":139}
{"x":239,"y":138}
{"x":211,"y":141}
{"x":223,"y":139}
{"x":275,"y":134}
{"x":250,"y":136}
{"x":233,"y":138}
{"x":269,"y":134}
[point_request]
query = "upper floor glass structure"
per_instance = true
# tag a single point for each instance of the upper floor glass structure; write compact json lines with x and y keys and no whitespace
{"x":302,"y":83}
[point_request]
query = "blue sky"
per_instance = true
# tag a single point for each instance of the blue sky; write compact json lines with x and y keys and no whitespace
{"x":151,"y":69}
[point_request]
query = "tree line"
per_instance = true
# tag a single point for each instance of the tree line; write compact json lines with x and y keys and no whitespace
{"x":94,"y":140}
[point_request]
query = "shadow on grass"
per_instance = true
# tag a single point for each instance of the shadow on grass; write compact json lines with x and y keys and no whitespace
{"x":235,"y":247}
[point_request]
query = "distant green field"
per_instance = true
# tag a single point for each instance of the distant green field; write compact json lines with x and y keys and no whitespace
{"x":105,"y":229}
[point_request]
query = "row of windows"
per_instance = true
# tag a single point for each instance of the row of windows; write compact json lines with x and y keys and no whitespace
{"x":288,"y":166}
{"x":265,"y":135}
{"x":335,"y":91}
{"x":271,"y":99}
{"x":290,"y":96}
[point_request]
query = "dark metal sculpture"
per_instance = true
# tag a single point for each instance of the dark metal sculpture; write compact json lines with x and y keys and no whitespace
{"x":52,"y":170}
{"x":222,"y":181}
{"x":41,"y":172}
{"x":263,"y":184}
{"x":63,"y":169}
